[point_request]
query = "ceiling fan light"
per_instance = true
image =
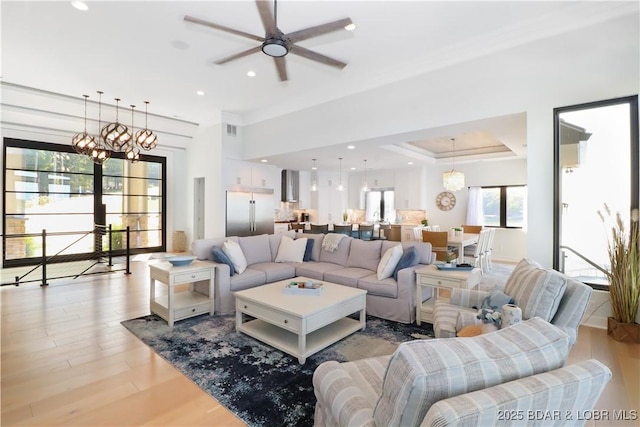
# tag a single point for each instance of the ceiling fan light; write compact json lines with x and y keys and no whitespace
{"x":275,"y":47}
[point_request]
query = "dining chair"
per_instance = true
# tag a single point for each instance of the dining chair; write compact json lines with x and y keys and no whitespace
{"x":395,"y":233}
{"x":434,"y":228}
{"x":488,"y":249}
{"x":319,"y":229}
{"x":477,"y":259}
{"x":384,"y":231}
{"x":472,"y":229}
{"x":365,"y":232}
{"x":417,"y":233}
{"x":343,"y":229}
{"x":438,"y":240}
{"x":298,"y":228}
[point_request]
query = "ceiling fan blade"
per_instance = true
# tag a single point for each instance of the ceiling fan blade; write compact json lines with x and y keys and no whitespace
{"x":281,"y":66}
{"x":223,"y":28}
{"x":238,"y":55}
{"x":268,"y":20}
{"x":319,"y":30}
{"x":315,"y":56}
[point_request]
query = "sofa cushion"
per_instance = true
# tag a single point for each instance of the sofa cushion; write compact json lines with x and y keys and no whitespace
{"x":537,"y":290}
{"x":389,"y":261}
{"x":409,"y":259}
{"x":364,"y":254}
{"x":315,"y":270}
{"x":317,"y":244}
{"x":249,"y":279}
{"x":256,"y":248}
{"x":235,"y":254}
{"x":291,"y":250}
{"x":423,"y":372}
{"x":308,"y":250}
{"x":274,"y":242}
{"x":222,"y":258}
{"x":385,"y":288}
{"x":338,"y":256}
{"x":201,"y":248}
{"x":424,"y":249}
{"x":275,"y":271}
{"x":346,"y":276}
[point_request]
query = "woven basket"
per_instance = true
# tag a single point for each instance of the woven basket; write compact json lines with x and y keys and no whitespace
{"x":624,"y":332}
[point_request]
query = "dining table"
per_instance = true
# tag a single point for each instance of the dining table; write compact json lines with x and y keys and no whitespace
{"x":462,"y":241}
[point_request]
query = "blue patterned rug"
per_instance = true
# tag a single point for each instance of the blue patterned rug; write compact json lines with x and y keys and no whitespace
{"x":260,"y":384}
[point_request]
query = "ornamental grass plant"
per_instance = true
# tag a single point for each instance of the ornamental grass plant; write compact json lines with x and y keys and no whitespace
{"x":624,"y":259}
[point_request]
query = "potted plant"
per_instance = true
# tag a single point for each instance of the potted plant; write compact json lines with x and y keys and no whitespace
{"x":624,"y":276}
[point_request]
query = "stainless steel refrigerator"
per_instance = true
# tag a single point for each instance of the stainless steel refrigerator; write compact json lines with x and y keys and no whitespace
{"x":250,"y":211}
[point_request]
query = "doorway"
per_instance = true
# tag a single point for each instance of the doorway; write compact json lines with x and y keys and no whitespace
{"x":596,"y":163}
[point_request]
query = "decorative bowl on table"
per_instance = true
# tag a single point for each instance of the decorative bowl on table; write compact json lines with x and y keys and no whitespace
{"x":181,"y":260}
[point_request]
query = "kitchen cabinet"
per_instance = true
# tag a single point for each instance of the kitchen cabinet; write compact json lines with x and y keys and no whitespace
{"x":304,"y":196}
{"x":410,"y":189}
{"x":250,"y":174}
{"x":356,"y":196}
{"x":280,"y":227}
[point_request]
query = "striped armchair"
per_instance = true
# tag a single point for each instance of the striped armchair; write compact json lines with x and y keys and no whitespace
{"x":462,"y":381}
{"x":540,"y":292}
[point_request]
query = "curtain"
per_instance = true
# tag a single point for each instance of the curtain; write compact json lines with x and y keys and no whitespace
{"x":475,"y":215}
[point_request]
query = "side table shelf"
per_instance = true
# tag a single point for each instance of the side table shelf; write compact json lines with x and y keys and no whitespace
{"x":174,"y":305}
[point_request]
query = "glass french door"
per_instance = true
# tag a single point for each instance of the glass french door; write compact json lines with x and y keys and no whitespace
{"x":596,"y":163}
{"x":51,"y":187}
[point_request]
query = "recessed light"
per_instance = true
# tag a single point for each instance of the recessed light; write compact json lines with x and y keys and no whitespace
{"x":251,"y":73}
{"x":200,"y":93}
{"x":351,"y":147}
{"x":80,"y":5}
{"x":350,"y":27}
{"x":353,"y":169}
{"x":410,"y":163}
{"x":264,"y":160}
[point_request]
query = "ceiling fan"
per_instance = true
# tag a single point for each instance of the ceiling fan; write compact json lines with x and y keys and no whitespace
{"x":277,"y":44}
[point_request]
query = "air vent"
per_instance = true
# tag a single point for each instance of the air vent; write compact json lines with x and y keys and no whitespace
{"x":231,"y":130}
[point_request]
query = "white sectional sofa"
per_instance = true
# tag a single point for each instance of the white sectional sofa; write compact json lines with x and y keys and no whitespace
{"x":353,"y":263}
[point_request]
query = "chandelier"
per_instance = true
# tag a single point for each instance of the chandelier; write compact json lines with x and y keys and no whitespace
{"x":114,"y":136}
{"x":453,"y":180}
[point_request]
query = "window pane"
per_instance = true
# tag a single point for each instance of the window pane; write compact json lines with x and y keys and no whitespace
{"x":491,"y":206}
{"x":516,"y":198}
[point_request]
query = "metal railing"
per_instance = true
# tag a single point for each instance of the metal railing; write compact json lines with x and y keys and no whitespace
{"x":76,"y":265}
{"x":596,"y":279}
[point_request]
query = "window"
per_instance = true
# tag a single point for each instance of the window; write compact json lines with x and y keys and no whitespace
{"x":51,"y":187}
{"x":504,"y":206}
{"x":380,"y":205}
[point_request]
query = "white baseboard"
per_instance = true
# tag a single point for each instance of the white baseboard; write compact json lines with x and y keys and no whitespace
{"x":598,"y":310}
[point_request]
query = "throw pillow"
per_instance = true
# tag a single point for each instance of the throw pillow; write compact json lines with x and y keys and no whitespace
{"x":234,"y":252}
{"x":409,"y":259}
{"x":308,"y":250}
{"x":291,"y":250}
{"x":389,"y":262}
{"x":536,"y":290}
{"x":222,"y":258}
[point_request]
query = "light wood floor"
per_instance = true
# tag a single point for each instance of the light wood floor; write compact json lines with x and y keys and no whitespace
{"x":66,"y":360}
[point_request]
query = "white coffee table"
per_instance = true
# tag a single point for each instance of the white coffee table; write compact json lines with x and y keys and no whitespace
{"x":300,"y":325}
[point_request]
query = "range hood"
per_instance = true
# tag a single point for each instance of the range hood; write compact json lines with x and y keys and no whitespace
{"x":290,"y":185}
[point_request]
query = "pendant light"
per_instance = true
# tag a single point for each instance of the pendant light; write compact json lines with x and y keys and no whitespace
{"x":100,"y":153}
{"x":145,"y":138}
{"x":365,"y":187}
{"x":116,"y":136}
{"x":340,"y":187}
{"x":453,"y":180}
{"x":82,"y":142}
{"x":314,"y":176}
{"x":132,"y":152}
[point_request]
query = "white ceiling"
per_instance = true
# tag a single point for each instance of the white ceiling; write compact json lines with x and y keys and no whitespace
{"x":143,"y":50}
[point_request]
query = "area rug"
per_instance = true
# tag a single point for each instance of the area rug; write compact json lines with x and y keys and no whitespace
{"x":260,"y":384}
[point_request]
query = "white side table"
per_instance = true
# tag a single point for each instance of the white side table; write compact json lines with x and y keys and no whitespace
{"x":176,"y":306}
{"x":435,"y":279}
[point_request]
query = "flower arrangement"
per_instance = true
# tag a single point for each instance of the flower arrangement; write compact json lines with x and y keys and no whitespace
{"x":490,"y":315}
{"x":624,"y":272}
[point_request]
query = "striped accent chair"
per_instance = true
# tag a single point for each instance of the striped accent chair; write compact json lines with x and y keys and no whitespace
{"x":539,"y":292}
{"x":459,"y":381}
